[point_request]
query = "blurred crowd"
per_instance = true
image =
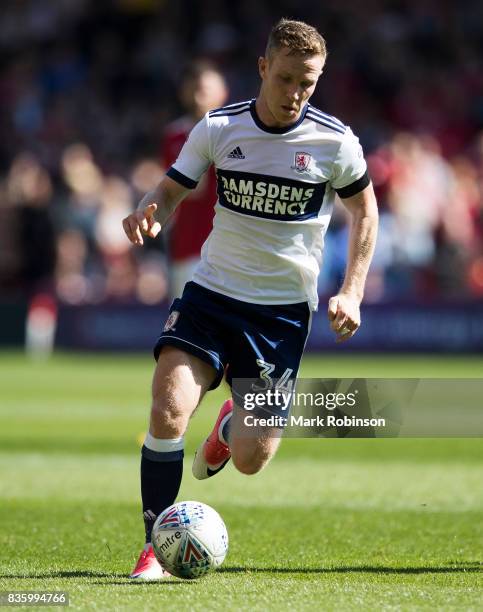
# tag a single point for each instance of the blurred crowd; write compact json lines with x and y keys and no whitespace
{"x":87,"y":90}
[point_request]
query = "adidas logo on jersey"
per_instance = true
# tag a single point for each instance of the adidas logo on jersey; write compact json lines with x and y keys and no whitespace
{"x":236,"y":153}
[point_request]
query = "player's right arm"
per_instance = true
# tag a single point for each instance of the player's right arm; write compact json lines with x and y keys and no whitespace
{"x":153,"y":210}
{"x":183,"y":176}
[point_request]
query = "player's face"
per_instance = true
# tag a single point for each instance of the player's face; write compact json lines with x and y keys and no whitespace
{"x":288,"y":81}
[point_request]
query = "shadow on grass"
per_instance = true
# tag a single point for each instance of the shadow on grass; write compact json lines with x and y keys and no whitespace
{"x":71,"y":574}
{"x":146,"y":584}
{"x":118,"y":578}
{"x":458,"y":567}
{"x":109,"y":578}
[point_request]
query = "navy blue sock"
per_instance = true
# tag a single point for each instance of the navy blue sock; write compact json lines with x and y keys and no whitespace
{"x":161,"y":473}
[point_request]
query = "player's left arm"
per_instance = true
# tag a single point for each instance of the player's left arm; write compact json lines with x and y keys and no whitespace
{"x":344,"y":308}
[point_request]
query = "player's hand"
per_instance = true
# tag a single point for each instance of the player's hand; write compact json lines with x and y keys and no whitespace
{"x":344,"y":316}
{"x":140,"y":222}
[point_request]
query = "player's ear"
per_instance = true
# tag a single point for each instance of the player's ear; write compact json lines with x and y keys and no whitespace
{"x":262,"y":66}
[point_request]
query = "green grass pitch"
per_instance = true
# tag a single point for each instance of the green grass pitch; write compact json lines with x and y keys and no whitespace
{"x":330,"y":524}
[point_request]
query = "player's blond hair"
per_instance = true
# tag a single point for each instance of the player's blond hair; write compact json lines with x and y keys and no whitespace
{"x":301,"y":38}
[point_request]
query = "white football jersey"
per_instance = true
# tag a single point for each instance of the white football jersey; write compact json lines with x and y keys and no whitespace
{"x":276,"y":190}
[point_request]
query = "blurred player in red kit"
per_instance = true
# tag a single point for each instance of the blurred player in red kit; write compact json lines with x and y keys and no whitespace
{"x":203,"y":88}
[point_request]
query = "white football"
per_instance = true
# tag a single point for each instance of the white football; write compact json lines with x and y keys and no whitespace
{"x":189,"y":539}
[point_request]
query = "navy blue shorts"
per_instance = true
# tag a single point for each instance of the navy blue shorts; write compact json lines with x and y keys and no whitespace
{"x":245,"y":340}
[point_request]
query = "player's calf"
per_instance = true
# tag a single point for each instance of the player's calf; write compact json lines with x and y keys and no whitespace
{"x":250,"y":455}
{"x":251,"y":448}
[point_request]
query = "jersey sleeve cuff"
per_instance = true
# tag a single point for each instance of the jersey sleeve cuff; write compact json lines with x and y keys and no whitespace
{"x":353,"y":188}
{"x":181,"y":178}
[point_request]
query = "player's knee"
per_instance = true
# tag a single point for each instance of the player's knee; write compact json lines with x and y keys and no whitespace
{"x":247,"y":467}
{"x":250,"y":464}
{"x":251,"y":456}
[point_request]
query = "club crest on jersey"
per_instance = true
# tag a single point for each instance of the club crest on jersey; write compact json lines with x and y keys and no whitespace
{"x":301,"y":161}
{"x":171,"y":321}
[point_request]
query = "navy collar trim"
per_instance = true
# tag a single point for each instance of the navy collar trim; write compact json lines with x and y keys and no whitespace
{"x":275,"y":130}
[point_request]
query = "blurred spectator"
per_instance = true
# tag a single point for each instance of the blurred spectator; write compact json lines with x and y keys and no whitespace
{"x":28,"y":227}
{"x":203,"y":88}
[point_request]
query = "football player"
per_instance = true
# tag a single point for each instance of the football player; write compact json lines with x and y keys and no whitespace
{"x":280,"y":162}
